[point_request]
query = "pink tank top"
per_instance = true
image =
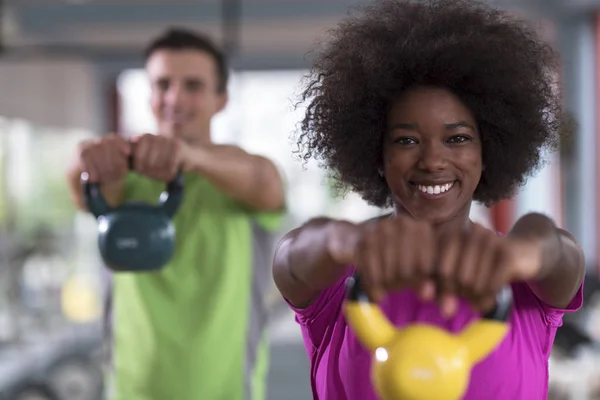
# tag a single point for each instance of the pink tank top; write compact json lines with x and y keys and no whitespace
{"x":516,"y":370}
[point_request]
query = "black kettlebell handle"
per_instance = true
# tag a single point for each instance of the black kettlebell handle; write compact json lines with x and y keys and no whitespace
{"x":501,"y":312}
{"x":169,"y":200}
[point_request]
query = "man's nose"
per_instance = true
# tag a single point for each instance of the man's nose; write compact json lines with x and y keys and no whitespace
{"x":174,"y":96}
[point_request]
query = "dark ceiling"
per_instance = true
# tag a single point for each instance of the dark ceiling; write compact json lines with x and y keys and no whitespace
{"x":267,"y":31}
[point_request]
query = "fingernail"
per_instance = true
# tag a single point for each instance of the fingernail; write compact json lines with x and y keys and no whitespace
{"x":430,"y":289}
{"x":427,"y":292}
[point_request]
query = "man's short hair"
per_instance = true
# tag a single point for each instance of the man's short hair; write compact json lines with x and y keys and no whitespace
{"x":184,"y":39}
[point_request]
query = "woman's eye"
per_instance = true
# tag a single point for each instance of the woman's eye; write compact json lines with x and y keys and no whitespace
{"x":459,"y":139}
{"x":405,"y":141}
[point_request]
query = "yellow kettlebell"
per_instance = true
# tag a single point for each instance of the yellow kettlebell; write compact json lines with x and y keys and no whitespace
{"x":423,"y":362}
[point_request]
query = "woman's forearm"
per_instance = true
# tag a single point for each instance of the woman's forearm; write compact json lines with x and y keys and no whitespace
{"x":562,"y":264}
{"x":304,"y":265}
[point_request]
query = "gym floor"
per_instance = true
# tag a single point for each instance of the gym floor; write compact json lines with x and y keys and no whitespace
{"x":288,"y":374}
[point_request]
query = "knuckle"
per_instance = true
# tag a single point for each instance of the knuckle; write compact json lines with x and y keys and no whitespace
{"x":82,"y":145}
{"x":86,"y":154}
{"x":465,"y":280}
{"x":362,"y":244}
{"x":478,"y":290}
{"x":449,"y":285}
{"x":375,"y":277}
{"x":445,"y":272}
{"x":86,"y":145}
{"x":402,"y":271}
{"x":426,"y":266}
{"x":487,"y":236}
{"x":370,"y":237}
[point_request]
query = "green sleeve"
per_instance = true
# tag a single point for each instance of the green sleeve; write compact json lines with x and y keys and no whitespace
{"x":269,"y":220}
{"x":272,"y":220}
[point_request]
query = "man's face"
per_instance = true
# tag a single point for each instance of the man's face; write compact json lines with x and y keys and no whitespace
{"x":185,"y":93}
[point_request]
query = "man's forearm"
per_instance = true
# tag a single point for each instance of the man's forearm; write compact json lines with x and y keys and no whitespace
{"x":252,"y":180}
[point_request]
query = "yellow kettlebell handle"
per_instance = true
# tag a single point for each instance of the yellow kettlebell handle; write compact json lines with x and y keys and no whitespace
{"x":420,"y":347}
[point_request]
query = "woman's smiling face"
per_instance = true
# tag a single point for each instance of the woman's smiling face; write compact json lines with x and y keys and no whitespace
{"x":432,"y":155}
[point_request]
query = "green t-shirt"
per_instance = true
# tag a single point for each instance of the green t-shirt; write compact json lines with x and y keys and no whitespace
{"x":196,"y":329}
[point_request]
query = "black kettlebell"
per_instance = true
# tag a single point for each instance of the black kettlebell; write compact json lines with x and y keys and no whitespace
{"x":135,"y":237}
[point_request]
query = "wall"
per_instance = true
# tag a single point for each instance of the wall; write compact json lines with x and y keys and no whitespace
{"x":54,"y":93}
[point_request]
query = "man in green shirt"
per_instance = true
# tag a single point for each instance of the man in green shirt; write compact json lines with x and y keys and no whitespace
{"x":196,"y":329}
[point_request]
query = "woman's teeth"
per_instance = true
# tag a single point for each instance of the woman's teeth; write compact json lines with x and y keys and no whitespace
{"x":437,"y":189}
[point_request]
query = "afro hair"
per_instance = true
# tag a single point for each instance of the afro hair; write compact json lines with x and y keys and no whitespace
{"x":496,"y":63}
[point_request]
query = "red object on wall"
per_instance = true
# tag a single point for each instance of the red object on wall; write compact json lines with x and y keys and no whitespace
{"x":502,"y":215}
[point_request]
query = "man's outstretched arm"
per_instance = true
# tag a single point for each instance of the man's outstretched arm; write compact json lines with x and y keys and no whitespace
{"x":252,"y":180}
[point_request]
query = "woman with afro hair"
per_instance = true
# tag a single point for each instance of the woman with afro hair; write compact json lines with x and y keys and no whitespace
{"x":426,"y":107}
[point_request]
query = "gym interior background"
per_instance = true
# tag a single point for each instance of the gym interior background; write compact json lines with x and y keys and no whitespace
{"x":71,"y":69}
